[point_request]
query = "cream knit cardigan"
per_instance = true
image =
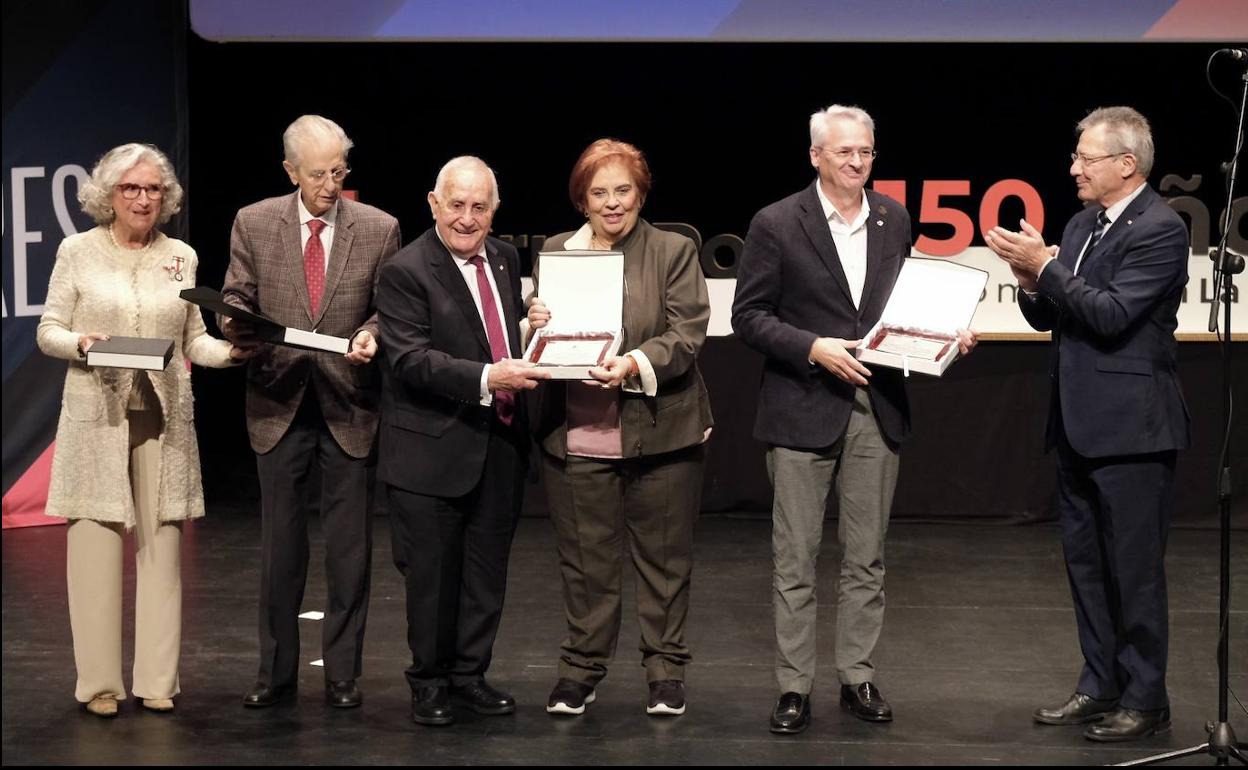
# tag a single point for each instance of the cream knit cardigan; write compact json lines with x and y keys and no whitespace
{"x":99,"y":287}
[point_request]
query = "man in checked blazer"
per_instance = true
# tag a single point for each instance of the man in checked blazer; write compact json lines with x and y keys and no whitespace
{"x":1111,"y":295}
{"x":309,"y":261}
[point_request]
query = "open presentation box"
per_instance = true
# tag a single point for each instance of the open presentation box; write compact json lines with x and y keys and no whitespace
{"x":585,"y":293}
{"x":931,"y":300}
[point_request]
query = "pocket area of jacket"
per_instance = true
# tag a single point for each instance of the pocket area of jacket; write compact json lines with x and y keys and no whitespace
{"x":419,"y":422}
{"x":1119,"y":365}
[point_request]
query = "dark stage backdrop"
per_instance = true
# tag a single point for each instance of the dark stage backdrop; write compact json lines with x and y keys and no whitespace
{"x":725,"y":128}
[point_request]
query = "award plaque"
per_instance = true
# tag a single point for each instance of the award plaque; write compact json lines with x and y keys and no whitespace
{"x":585,"y":293}
{"x":918,"y":331}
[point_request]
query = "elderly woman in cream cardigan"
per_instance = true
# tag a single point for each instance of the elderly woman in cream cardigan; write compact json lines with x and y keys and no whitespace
{"x":126,"y":458}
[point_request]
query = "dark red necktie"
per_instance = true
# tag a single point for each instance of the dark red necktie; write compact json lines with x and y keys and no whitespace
{"x":314,"y":264}
{"x":504,"y":400}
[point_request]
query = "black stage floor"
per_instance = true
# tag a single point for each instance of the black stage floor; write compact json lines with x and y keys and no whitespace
{"x":979,"y":630}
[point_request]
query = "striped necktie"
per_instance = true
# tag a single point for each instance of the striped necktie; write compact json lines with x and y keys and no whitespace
{"x":1102,"y":224}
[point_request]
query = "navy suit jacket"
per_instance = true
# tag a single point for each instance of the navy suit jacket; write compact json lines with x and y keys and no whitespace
{"x":434,"y":430}
{"x":791,"y":289}
{"x":1113,"y":357}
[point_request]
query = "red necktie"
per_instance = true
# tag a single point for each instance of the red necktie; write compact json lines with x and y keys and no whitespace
{"x":314,"y":264}
{"x":504,"y":400}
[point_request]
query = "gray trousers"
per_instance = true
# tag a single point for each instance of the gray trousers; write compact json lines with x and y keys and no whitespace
{"x":864,"y":470}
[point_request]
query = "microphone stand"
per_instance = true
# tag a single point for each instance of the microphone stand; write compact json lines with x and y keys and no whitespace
{"x":1221,"y":745}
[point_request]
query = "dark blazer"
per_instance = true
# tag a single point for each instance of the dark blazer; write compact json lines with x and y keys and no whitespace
{"x":1113,"y":354}
{"x":266,"y":275}
{"x":791,"y":289}
{"x":434,"y":430}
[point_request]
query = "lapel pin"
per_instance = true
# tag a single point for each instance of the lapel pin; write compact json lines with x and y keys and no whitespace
{"x":1129,"y":221}
{"x":500,"y":267}
{"x":879,"y":222}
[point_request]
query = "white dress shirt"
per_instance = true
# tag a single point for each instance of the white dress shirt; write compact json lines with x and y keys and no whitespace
{"x":851,"y":241}
{"x":469,"y":273}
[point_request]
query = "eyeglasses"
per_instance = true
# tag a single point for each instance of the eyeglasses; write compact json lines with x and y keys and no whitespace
{"x":1078,"y":157}
{"x":131,"y":191}
{"x":843,"y":154}
{"x":337,"y":174}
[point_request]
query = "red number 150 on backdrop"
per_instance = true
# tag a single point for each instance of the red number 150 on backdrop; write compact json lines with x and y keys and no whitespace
{"x":932,"y":212}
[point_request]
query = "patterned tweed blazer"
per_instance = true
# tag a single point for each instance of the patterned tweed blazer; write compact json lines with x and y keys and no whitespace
{"x":266,"y":275}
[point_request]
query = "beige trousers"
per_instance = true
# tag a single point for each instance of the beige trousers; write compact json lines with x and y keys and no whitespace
{"x":94,"y":576}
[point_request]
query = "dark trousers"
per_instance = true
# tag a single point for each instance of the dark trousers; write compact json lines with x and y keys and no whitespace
{"x":346,"y":508}
{"x":453,"y":555}
{"x":1115,"y":518}
{"x":601,"y":509}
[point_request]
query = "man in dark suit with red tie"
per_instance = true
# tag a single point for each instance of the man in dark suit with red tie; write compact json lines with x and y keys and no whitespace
{"x":1111,"y":295}
{"x":454,"y":437}
{"x":309,"y":261}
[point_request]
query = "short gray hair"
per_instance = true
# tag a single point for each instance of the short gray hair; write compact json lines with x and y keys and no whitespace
{"x":96,"y":194}
{"x":819,"y":121}
{"x":1126,"y":131}
{"x":308,"y":127}
{"x":455,"y":166}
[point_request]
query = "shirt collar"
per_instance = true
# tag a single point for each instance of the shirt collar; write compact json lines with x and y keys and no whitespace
{"x":829,"y":210}
{"x":1113,"y":212}
{"x":461,"y":261}
{"x":305,"y":216}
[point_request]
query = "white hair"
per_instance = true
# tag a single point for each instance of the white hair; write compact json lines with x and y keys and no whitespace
{"x":96,"y":194}
{"x":310,"y":127}
{"x":819,"y":121}
{"x":456,"y":166}
{"x":1126,"y":131}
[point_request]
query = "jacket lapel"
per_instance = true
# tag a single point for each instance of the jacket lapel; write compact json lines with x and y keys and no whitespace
{"x":877,"y":227}
{"x":816,"y":227}
{"x":339,"y":253}
{"x":447,"y":273}
{"x":1069,"y":253}
{"x":1118,"y":228}
{"x":293,"y":251}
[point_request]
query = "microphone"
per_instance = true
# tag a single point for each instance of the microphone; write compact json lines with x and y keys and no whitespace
{"x":1238,"y":54}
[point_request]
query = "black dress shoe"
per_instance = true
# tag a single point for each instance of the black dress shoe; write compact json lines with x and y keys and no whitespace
{"x":1077,"y":710}
{"x":265,"y":695}
{"x":865,"y":702}
{"x":431,"y":706}
{"x":343,"y":695}
{"x":791,"y":714}
{"x":480,"y":697}
{"x":1129,"y":725}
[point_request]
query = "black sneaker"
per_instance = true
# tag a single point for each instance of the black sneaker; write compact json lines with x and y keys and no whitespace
{"x":667,"y":698}
{"x":569,"y":697}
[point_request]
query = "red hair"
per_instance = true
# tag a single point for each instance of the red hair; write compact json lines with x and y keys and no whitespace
{"x":603,"y":153}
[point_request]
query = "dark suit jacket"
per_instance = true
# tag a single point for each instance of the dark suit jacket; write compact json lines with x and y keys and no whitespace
{"x":791,"y":289}
{"x":1113,"y":355}
{"x":266,"y":275}
{"x":434,"y":430}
